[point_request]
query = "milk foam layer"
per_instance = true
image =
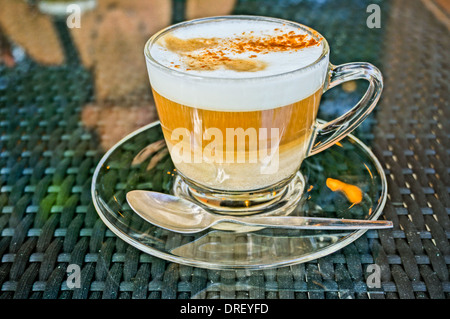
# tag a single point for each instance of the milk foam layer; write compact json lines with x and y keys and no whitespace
{"x":281,"y":82}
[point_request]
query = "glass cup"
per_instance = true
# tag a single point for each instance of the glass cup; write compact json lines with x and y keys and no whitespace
{"x":238,"y":142}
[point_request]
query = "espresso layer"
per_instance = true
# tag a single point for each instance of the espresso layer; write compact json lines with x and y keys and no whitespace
{"x":257,"y":163}
{"x":294,"y":121}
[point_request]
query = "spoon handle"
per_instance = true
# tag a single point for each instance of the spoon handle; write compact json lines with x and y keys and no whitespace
{"x":299,"y":222}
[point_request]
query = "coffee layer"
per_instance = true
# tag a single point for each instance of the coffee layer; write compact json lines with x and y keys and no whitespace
{"x":294,"y":124}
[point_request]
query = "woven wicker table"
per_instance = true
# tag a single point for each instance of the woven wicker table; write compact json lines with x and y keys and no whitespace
{"x":61,"y":109}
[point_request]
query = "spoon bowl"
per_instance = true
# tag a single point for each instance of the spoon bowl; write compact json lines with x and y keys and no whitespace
{"x":169,"y":212}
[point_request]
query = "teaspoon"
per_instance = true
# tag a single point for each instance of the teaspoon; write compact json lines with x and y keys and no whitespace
{"x":182,"y":216}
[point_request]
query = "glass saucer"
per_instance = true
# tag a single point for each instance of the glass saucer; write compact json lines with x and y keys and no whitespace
{"x":345,"y":181}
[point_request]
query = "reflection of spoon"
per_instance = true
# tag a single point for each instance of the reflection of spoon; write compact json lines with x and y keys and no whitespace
{"x":183,"y":216}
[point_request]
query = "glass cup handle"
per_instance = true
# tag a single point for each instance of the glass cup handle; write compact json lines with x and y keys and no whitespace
{"x":327,"y":134}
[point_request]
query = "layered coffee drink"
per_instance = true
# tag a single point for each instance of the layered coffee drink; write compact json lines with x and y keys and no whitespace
{"x":237,"y":99}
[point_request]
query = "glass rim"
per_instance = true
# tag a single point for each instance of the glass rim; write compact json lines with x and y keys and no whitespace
{"x":316,"y":35}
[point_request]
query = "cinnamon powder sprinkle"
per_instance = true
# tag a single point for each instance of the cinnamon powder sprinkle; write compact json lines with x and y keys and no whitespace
{"x":210,"y":53}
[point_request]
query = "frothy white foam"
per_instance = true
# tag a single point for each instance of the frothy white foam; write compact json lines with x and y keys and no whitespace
{"x":278,"y":84}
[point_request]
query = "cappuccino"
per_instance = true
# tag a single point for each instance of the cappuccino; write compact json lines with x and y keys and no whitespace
{"x":244,"y":77}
